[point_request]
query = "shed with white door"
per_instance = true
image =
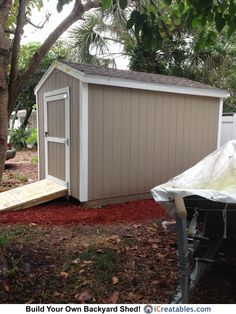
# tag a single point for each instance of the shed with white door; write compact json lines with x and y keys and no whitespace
{"x":109,"y":134}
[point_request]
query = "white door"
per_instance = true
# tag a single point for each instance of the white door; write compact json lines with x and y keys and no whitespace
{"x":56,"y":134}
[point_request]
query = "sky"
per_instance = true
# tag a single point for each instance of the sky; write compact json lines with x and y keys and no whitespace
{"x":33,"y":34}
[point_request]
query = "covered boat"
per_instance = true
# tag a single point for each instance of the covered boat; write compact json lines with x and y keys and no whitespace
{"x":203,"y":200}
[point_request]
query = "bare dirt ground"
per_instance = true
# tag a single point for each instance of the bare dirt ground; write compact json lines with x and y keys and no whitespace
{"x":120,"y":263}
{"x":20,"y":170}
{"x":128,"y":258}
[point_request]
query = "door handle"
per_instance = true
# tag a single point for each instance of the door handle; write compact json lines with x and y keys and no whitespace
{"x":45,"y":134}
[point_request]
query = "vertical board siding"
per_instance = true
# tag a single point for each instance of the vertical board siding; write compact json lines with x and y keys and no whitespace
{"x":56,"y":118}
{"x":134,"y":129}
{"x":56,"y":162}
{"x":116,"y":142}
{"x":59,"y":80}
{"x":138,"y":139}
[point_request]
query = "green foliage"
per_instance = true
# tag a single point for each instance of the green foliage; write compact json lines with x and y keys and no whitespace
{"x":86,"y":36}
{"x":59,"y":51}
{"x":123,"y":4}
{"x":18,"y":138}
{"x":34,"y":160}
{"x":193,"y":42}
{"x":20,"y":177}
{"x":61,"y":3}
{"x":148,"y":16}
{"x":168,"y":2}
{"x":91,"y":39}
{"x":32,"y":137}
{"x":30,"y":5}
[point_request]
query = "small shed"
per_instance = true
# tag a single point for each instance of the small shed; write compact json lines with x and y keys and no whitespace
{"x":112,"y":134}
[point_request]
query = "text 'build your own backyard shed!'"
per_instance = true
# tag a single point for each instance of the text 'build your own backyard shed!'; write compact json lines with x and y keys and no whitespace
{"x":114,"y":134}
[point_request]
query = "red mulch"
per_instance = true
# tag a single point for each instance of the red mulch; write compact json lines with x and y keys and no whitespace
{"x":62,"y":212}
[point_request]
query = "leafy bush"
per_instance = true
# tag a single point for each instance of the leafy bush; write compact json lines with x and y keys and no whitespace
{"x":18,"y":138}
{"x":32,"y":138}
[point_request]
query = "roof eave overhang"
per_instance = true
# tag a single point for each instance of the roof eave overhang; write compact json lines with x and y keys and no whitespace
{"x":126,"y":83}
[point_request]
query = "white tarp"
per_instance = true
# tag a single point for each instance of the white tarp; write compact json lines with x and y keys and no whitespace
{"x":213,"y":178}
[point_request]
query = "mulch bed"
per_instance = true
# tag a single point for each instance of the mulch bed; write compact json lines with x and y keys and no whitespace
{"x":63,"y":212}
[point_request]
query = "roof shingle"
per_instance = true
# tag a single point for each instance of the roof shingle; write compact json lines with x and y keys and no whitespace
{"x":137,"y":76}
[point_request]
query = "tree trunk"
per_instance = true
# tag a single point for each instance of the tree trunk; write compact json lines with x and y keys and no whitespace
{"x":4,"y":96}
{"x":3,"y":127}
{"x":14,"y":117}
{"x":26,"y":119}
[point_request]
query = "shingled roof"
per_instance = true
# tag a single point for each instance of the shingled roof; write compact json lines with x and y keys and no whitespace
{"x":137,"y":76}
{"x":88,"y":73}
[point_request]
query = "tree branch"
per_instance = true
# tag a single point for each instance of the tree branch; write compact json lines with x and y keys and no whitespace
{"x":39,"y":26}
{"x":9,"y":31}
{"x":76,"y":13}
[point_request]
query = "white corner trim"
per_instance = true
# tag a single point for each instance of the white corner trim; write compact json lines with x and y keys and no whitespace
{"x":68,"y":139}
{"x":221,"y":101}
{"x":38,"y":143}
{"x":119,"y":82}
{"x":45,"y":143}
{"x":83,"y":165}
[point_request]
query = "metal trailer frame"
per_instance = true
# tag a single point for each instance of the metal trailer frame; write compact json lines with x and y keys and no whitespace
{"x":189,"y":239}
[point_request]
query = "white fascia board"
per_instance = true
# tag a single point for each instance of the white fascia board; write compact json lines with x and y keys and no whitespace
{"x":111,"y":81}
{"x":44,"y":78}
{"x":70,"y":71}
{"x":64,"y":68}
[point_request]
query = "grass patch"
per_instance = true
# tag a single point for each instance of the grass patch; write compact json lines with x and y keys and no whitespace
{"x":9,"y":236}
{"x":105,"y":262}
{"x":13,"y":179}
{"x":4,"y":240}
{"x":21,"y":178}
{"x":13,"y":263}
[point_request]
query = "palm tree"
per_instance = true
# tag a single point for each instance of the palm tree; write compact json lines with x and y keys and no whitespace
{"x":93,"y":39}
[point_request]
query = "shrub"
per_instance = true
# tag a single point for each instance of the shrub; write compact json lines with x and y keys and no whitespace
{"x":18,"y":138}
{"x":32,"y":137}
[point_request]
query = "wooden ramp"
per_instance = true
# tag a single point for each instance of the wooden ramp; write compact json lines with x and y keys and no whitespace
{"x":30,"y":195}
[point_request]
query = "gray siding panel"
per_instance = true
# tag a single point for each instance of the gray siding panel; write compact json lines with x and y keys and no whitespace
{"x":56,"y":164}
{"x":56,"y":118}
{"x":138,"y":139}
{"x":59,"y":80}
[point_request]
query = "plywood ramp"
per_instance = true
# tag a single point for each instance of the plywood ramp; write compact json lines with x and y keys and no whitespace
{"x":30,"y":195}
